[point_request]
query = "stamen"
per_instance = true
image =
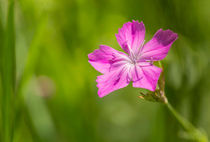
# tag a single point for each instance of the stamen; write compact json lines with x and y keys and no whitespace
{"x":140,"y":48}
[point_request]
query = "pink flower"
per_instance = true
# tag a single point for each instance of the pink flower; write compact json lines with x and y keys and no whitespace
{"x":119,"y":68}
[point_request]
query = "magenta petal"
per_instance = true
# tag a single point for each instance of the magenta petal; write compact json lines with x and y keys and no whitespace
{"x":131,"y":36}
{"x":157,"y":48}
{"x":146,"y":77}
{"x":112,"y":81}
{"x":102,"y":58}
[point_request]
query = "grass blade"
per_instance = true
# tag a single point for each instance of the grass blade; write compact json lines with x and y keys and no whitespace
{"x":8,"y":75}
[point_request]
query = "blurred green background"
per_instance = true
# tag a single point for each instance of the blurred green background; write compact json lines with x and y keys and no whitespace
{"x":57,"y":84}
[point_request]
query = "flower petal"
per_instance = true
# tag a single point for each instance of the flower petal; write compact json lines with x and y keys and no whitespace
{"x":146,"y":77}
{"x":131,"y":36}
{"x":157,"y":48}
{"x":102,"y":58}
{"x":112,"y":81}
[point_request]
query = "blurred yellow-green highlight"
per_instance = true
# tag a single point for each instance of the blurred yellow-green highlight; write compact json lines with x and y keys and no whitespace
{"x":48,"y":91}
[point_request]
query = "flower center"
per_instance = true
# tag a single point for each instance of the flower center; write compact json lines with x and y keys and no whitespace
{"x":133,"y":58}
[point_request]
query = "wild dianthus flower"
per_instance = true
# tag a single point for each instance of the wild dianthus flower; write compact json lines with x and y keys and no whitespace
{"x":136,"y":65}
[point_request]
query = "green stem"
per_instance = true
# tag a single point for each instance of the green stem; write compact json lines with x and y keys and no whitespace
{"x":192,"y":132}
